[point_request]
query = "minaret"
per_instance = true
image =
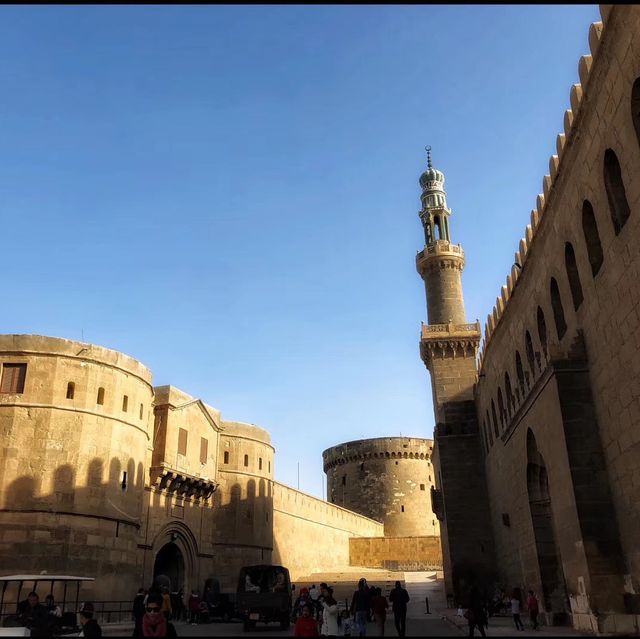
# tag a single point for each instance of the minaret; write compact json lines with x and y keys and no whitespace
{"x":448,"y":347}
{"x":448,"y":344}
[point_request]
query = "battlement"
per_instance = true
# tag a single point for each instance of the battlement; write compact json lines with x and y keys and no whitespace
{"x":572,"y":118}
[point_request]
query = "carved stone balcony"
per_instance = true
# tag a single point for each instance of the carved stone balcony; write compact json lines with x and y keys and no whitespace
{"x":179,"y":483}
{"x":449,"y":340}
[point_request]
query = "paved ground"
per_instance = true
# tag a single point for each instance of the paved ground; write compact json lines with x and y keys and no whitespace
{"x":441,"y":622}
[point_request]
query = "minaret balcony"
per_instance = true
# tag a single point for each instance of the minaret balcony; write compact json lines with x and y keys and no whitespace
{"x":438,"y":251}
{"x":449,"y":340}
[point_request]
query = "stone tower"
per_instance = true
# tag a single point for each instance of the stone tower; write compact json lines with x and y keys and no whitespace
{"x":448,"y":347}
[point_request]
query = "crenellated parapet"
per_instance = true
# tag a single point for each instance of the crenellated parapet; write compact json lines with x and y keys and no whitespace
{"x":439,"y":255}
{"x":577,"y":96}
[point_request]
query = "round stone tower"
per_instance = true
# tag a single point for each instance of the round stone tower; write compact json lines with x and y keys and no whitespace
{"x":388,"y":479}
{"x":75,"y":436}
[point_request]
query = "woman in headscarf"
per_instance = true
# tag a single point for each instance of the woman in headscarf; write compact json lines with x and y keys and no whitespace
{"x":329,"y":613}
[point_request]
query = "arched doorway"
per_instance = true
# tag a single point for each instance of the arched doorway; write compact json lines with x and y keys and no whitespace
{"x":551,"y":575}
{"x":169,"y":568}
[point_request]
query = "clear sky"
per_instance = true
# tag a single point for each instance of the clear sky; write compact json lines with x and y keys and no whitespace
{"x":229,"y":194}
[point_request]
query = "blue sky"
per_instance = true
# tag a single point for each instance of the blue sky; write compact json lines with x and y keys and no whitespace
{"x":229,"y":194}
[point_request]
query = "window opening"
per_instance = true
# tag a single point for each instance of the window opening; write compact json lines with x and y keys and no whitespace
{"x":141,"y":410}
{"x":123,"y":484}
{"x":520,"y":370}
{"x":421,"y":486}
{"x":616,"y":195}
{"x":71,"y":390}
{"x":13,"y":376}
{"x":259,"y":463}
{"x":125,"y":403}
{"x":100,"y":399}
{"x":226,"y":456}
{"x":246,"y":460}
{"x":558,"y":312}
{"x":591,"y":237}
{"x":573,"y":275}
{"x":542,"y":331}
{"x":182,"y":441}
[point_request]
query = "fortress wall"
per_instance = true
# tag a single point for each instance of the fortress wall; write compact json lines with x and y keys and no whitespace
{"x":601,"y":392}
{"x":396,"y":553}
{"x":66,"y":505}
{"x":388,"y":479}
{"x":311,"y":535}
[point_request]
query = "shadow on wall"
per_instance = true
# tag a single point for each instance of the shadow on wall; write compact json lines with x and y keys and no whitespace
{"x":34,"y":539}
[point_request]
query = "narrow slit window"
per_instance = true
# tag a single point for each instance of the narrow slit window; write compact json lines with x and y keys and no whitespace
{"x":635,"y":107}
{"x":519,"y":370}
{"x":141,"y":411}
{"x":226,"y":456}
{"x":71,"y":390}
{"x":125,"y":403}
{"x":616,"y":195}
{"x":591,"y":237}
{"x":558,"y":311}
{"x":421,"y":486}
{"x":542,"y":330}
{"x":269,"y":463}
{"x":100,"y":398}
{"x":13,"y":376}
{"x":123,"y":484}
{"x":246,"y":460}
{"x":259,"y":463}
{"x":573,"y":276}
{"x":402,"y":508}
{"x":344,"y":480}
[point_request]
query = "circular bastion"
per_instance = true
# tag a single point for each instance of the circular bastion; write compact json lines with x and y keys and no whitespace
{"x":388,"y":479}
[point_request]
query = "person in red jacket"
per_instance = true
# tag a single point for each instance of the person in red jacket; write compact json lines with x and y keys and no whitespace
{"x":306,"y":625}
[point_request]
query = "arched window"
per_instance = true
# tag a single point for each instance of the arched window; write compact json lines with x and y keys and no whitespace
{"x":573,"y":275}
{"x":558,"y":312}
{"x":635,"y":107}
{"x":591,"y":237}
{"x":501,"y":409}
{"x":542,"y":330}
{"x":488,"y":424}
{"x":613,"y":184}
{"x":495,"y":420}
{"x":509,"y":392}
{"x":519,"y":369}
{"x":100,"y":399}
{"x":71,"y":390}
{"x":438,"y":227}
{"x":529,"y":349}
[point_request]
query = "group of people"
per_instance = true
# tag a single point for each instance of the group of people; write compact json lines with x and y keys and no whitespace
{"x":478,"y":611}
{"x":316,"y":612}
{"x":45,"y":620}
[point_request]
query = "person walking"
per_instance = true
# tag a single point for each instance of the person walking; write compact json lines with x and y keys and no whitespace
{"x":379,"y":605}
{"x":166,"y":603}
{"x":138,"y":612}
{"x":475,"y":614}
{"x":194,"y":608}
{"x":90,"y":627}
{"x":515,"y":609}
{"x":329,"y":612}
{"x":360,"y":606}
{"x":399,"y":598}
{"x":532,"y":606}
{"x":306,"y":625}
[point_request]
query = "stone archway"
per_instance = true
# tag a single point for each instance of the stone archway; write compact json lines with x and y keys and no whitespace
{"x":175,"y":555}
{"x":168,"y":567}
{"x":553,"y":589}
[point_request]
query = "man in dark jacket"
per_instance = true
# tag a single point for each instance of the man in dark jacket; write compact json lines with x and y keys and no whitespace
{"x":90,"y":627}
{"x":32,"y":614}
{"x":399,"y":598}
{"x":138,"y":612}
{"x":360,"y":606}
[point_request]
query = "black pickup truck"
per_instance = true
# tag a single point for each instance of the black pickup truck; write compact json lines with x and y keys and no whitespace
{"x":264,"y":595}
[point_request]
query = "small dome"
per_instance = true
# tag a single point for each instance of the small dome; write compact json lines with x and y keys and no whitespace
{"x":430,"y":176}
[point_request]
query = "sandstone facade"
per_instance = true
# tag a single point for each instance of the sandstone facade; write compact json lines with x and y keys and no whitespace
{"x":553,"y":426}
{"x":103,"y":475}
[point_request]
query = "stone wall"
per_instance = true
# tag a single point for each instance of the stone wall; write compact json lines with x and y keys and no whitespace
{"x":396,"y":553}
{"x":558,"y":395}
{"x":388,"y":479}
{"x":311,"y":535}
